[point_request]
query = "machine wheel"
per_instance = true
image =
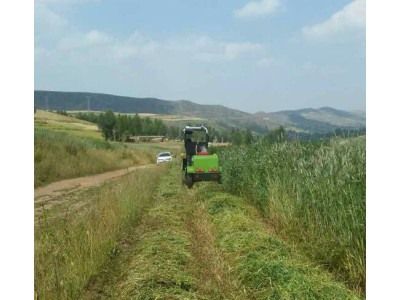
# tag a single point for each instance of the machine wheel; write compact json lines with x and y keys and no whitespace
{"x":220,"y":179}
{"x":189,"y":181}
{"x":183,"y":178}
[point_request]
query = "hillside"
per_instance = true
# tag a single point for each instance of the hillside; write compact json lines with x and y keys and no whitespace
{"x":322,"y":120}
{"x":100,"y":102}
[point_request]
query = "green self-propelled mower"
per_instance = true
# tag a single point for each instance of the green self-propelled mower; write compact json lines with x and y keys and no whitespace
{"x":197,"y":163}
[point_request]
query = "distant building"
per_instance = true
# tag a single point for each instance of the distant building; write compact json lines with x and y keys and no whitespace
{"x":146,"y":138}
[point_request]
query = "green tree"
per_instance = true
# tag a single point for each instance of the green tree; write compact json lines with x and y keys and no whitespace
{"x":236,"y":137}
{"x":137,"y":125}
{"x":248,"y":137}
{"x":123,"y":127}
{"x":107,"y":122}
{"x":277,"y":135}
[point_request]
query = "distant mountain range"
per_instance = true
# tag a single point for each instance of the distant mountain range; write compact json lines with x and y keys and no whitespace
{"x":322,"y":120}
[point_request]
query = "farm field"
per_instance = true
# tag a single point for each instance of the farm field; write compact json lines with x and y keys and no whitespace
{"x":288,"y":220}
{"x":66,"y":147}
{"x":72,"y":126}
{"x":158,"y":239}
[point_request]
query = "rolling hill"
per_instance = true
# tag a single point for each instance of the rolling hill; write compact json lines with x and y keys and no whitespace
{"x":100,"y":102}
{"x":308,"y":120}
{"x":321,"y":120}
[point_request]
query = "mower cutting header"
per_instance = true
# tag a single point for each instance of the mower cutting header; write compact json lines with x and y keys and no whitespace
{"x":197,"y":163}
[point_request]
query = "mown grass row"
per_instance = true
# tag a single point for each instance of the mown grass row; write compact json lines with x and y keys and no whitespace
{"x":313,"y":195}
{"x":262,"y":266}
{"x":72,"y":248}
{"x":158,"y":264}
{"x":60,"y":156}
{"x":251,"y":263}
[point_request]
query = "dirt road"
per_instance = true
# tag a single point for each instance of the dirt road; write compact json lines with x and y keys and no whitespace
{"x":55,"y":189}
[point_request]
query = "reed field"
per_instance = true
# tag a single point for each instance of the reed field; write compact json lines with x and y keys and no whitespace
{"x":312,"y":194}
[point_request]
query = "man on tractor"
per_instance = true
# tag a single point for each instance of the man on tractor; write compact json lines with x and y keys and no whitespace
{"x":197,"y":163}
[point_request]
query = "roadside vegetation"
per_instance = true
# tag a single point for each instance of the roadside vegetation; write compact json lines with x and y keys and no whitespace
{"x":73,"y":247}
{"x":311,"y":193}
{"x":205,"y":243}
{"x":59,"y":155}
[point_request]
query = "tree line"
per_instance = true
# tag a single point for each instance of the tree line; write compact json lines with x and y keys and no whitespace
{"x":120,"y":127}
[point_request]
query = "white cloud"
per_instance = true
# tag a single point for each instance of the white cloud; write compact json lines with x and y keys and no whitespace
{"x":207,"y":49}
{"x":349,"y":20}
{"x":135,"y":46}
{"x":235,"y":50}
{"x":258,"y":9}
{"x":267,"y":62}
{"x":47,"y":18}
{"x":90,"y":39}
{"x":139,"y":46}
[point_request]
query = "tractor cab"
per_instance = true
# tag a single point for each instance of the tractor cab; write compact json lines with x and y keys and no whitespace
{"x":197,"y":163}
{"x":196,"y":140}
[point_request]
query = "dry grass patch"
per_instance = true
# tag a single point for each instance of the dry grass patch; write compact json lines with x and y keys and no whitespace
{"x":60,"y":156}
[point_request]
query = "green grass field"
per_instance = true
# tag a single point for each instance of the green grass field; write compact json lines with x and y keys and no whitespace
{"x":146,"y":236}
{"x":288,"y":222}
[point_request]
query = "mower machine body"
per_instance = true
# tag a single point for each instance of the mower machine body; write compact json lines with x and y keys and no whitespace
{"x":197,"y":163}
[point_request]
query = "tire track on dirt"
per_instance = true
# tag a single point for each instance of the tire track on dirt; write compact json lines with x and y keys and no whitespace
{"x":49,"y":192}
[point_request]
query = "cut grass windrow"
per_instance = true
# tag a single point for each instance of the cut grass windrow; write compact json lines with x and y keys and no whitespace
{"x":158,"y":264}
{"x":205,"y":244}
{"x":172,"y":254}
{"x":264,"y":267}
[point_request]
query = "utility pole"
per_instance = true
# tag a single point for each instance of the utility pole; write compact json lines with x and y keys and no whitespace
{"x":88,"y":102}
{"x":47,"y":102}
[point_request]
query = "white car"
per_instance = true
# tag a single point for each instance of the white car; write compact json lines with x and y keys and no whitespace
{"x":164,"y":157}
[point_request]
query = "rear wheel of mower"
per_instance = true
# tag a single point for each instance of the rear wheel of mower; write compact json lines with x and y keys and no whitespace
{"x":189,"y":181}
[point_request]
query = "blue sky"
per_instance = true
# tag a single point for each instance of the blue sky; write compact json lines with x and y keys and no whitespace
{"x":250,"y":55}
